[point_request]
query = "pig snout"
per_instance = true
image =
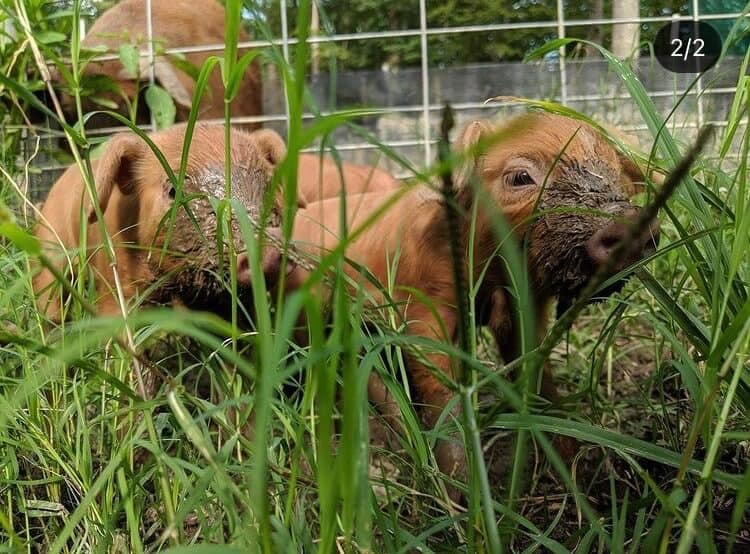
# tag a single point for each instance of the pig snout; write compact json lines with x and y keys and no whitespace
{"x":604,"y":241}
{"x":270,"y":263}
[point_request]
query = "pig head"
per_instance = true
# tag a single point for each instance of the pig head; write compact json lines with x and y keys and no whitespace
{"x":564,"y":189}
{"x":165,"y":250}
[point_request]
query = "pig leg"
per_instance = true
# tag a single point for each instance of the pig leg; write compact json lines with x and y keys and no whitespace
{"x":48,"y":300}
{"x":502,"y":327}
{"x":107,"y":305}
{"x":434,"y":395}
{"x":383,"y":428}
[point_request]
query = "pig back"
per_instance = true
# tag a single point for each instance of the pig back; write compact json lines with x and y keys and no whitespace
{"x":175,"y":24}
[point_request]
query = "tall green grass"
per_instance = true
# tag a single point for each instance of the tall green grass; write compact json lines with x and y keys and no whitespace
{"x":88,"y":464}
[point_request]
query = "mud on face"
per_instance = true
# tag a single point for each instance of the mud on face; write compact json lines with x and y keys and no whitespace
{"x":188,"y":246}
{"x":197,"y":256}
{"x":578,"y":202}
{"x":564,"y":188}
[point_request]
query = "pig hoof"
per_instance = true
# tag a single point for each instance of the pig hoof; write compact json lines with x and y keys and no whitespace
{"x":243,"y":270}
{"x":270,"y":265}
{"x":451,"y":459}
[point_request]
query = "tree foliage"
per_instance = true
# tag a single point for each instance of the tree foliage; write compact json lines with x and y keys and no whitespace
{"x":361,"y":16}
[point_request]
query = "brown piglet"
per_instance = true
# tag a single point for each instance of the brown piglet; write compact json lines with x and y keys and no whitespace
{"x":175,"y":24}
{"x":562,"y":190}
{"x":162,"y":254}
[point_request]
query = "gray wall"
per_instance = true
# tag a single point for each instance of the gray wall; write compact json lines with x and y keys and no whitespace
{"x":591,"y":88}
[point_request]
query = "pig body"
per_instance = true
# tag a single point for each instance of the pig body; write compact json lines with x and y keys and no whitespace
{"x":168,"y":257}
{"x":582,"y":204}
{"x":175,"y":24}
{"x":319,"y":177}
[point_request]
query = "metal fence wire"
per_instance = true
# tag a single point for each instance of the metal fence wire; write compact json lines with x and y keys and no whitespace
{"x":408,"y":99}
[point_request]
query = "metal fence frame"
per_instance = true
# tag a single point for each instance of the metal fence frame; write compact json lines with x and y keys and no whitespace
{"x":426,"y":140}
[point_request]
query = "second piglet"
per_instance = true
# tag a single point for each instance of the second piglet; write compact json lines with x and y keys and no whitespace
{"x":161,"y":255}
{"x":562,"y":189}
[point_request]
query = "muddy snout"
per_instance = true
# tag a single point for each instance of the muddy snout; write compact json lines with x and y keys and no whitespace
{"x":606,"y":240}
{"x":270,"y":261}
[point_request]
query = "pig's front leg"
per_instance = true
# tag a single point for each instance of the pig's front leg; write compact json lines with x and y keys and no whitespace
{"x":503,"y":328}
{"x":430,"y":391}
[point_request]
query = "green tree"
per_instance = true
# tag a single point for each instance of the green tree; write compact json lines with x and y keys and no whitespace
{"x":358,"y":16}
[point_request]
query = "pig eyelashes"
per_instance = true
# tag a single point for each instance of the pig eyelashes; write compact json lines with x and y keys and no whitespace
{"x":519,"y":178}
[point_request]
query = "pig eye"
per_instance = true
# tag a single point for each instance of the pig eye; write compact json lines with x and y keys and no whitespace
{"x":172,"y":193}
{"x":520,"y":179}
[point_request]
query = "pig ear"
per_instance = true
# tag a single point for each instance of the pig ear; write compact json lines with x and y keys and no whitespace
{"x":471,"y":134}
{"x":116,"y":168}
{"x":168,"y":77}
{"x":272,"y":148}
{"x":469,"y":137}
{"x":271,"y":145}
{"x":633,"y":178}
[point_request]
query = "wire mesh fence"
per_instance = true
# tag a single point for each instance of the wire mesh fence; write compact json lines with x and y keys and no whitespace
{"x":406,"y":97}
{"x":654,"y":382}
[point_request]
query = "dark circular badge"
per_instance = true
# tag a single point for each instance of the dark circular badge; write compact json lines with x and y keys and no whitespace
{"x":687,"y":46}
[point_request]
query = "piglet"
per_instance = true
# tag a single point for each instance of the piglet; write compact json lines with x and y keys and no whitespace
{"x":563,"y":190}
{"x":162,"y":255}
{"x":175,"y":24}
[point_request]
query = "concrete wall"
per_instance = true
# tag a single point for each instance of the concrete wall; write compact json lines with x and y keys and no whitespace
{"x":591,"y":88}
